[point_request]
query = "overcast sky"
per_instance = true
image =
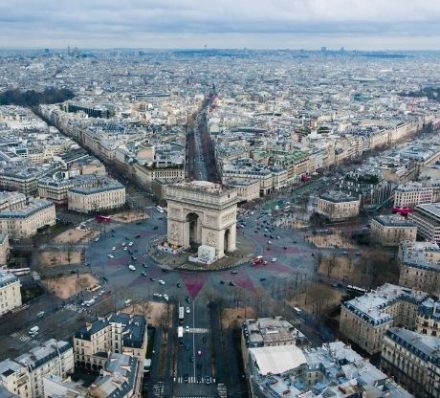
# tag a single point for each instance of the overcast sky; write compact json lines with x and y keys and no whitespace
{"x":309,"y":24}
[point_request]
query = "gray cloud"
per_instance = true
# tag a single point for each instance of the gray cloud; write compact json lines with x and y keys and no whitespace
{"x":177,"y":23}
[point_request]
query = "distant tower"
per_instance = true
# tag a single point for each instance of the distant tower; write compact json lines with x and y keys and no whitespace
{"x":68,"y":50}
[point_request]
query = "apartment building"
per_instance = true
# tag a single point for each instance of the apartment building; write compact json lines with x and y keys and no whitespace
{"x":427,"y":219}
{"x":337,"y":206}
{"x":412,"y":194}
{"x":428,"y":318}
{"x":101,"y":193}
{"x":365,"y":319}
{"x":118,"y":333}
{"x":51,"y":357}
{"x":419,"y":264}
{"x":22,"y":217}
{"x":332,"y":370}
{"x":120,"y":377}
{"x":413,"y":360}
{"x":10,"y":295}
{"x":390,"y":230}
{"x":247,"y":190}
{"x":15,"y":378}
{"x":4,"y":248}
{"x":21,"y":178}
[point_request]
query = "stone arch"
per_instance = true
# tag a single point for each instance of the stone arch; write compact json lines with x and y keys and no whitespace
{"x":194,"y":227}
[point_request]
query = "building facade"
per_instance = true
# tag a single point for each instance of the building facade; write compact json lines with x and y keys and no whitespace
{"x":427,"y":219}
{"x":337,"y":206}
{"x":389,"y":230}
{"x":365,"y":319}
{"x":413,"y":360}
{"x":22,"y":217}
{"x":98,"y":194}
{"x":15,"y":378}
{"x":419,"y":264}
{"x":10,"y":295}
{"x":51,"y":357}
{"x":412,"y":194}
{"x":118,"y":333}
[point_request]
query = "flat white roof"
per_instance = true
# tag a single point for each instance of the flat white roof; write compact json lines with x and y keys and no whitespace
{"x":277,"y":359}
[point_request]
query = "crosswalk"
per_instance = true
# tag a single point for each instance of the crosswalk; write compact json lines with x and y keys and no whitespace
{"x":191,"y":380}
{"x":197,"y":330}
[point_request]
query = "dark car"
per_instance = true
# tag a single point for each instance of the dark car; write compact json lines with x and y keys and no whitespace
{"x":137,"y":236}
{"x":143,"y":273}
{"x":185,"y":378}
{"x":234,"y":272}
{"x":152,"y":279}
{"x":222,"y":282}
{"x":155,"y":227}
{"x":262,"y":279}
{"x":199,"y":378}
{"x":178,"y":285}
{"x":207,"y":380}
{"x":188,"y":300}
{"x":231,"y":283}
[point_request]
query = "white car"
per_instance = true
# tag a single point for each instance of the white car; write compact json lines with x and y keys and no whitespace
{"x":187,"y":310}
{"x":166,"y":297}
{"x":114,"y":248}
{"x":131,"y":267}
{"x":157,"y":295}
{"x":274,"y":259}
{"x":110,"y":256}
{"x":131,"y":244}
{"x":162,"y":282}
{"x":125,"y":248}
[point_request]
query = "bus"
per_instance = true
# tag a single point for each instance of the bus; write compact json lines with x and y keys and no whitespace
{"x":356,"y":289}
{"x":181,"y":314}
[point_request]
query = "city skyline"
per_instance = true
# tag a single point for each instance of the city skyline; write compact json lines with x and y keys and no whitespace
{"x":364,"y":25}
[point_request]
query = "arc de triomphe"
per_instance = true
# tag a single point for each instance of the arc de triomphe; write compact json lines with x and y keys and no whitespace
{"x":202,"y":213}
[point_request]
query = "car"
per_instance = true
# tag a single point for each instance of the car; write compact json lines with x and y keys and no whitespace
{"x":188,"y":299}
{"x":125,"y":248}
{"x":191,"y":359}
{"x":40,"y":314}
{"x":139,"y":223}
{"x":123,"y":244}
{"x":199,"y":378}
{"x":155,"y":228}
{"x":274,"y":259}
{"x":187,"y":327}
{"x":185,"y":378}
{"x":137,"y":236}
{"x":269,"y":242}
{"x":131,"y":267}
{"x":157,"y":295}
{"x":161,"y":282}
{"x":130,"y":244}
{"x":231,"y":283}
{"x":166,"y":297}
{"x":298,"y":310}
{"x":110,"y":256}
{"x":199,"y":353}
{"x":145,"y":265}
{"x":113,"y":248}
{"x":262,"y":279}
{"x":207,"y":380}
{"x":164,"y":270}
{"x":143,"y":273}
{"x":187,"y":310}
{"x":152,"y":279}
{"x":178,"y":285}
{"x":234,"y":272}
{"x":285,"y":247}
{"x":105,"y":279}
